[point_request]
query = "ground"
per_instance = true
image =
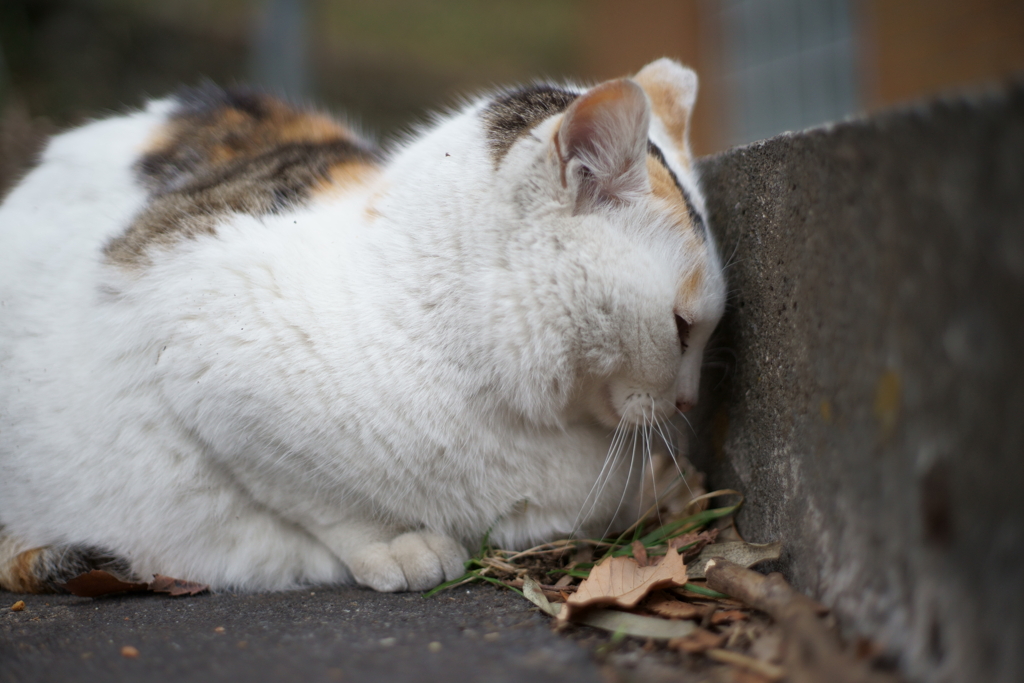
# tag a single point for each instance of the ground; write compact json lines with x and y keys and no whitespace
{"x":471,"y":633}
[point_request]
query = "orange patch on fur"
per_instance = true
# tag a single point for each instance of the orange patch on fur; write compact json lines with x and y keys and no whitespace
{"x":666,"y":106}
{"x":692,"y":283}
{"x":229,"y":133}
{"x":19,"y":574}
{"x":313,"y":128}
{"x":664,"y":188}
{"x":230,"y":152}
{"x":346,"y":174}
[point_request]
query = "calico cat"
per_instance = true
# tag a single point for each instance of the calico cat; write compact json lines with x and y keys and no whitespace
{"x":241,"y":345}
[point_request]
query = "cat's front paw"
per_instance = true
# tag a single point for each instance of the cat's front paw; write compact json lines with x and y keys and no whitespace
{"x":415,"y":561}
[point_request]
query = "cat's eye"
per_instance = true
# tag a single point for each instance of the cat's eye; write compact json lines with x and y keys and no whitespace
{"x":683,"y":328}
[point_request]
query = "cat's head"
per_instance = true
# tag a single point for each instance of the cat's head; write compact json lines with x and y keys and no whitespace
{"x":610,"y":177}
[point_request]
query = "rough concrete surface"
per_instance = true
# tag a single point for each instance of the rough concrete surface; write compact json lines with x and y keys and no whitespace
{"x":872,"y":406}
{"x":339,"y":634}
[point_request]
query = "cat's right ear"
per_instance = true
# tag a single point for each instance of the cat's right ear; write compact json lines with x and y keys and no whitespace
{"x":602,"y":144}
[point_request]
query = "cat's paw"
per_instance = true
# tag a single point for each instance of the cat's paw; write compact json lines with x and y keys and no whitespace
{"x":415,"y":561}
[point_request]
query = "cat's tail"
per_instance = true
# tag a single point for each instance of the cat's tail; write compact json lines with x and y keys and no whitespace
{"x":45,"y":570}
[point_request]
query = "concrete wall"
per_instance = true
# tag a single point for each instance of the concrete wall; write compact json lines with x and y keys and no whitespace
{"x":868,"y":394}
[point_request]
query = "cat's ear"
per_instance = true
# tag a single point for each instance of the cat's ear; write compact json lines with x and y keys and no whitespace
{"x":672,"y":89}
{"x":602,"y":144}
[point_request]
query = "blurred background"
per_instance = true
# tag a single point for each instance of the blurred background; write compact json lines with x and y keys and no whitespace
{"x":766,"y":66}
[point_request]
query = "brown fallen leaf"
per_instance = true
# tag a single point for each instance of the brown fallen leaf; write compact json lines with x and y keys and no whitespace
{"x":699,"y":541}
{"x":176,"y":587}
{"x":701,"y":640}
{"x":728,"y":616}
{"x":564,"y":581}
{"x":665,"y":605}
{"x":621,"y":582}
{"x":98,"y":582}
{"x":639,"y":553}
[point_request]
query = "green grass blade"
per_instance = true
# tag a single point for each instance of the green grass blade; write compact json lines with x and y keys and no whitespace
{"x":701,"y":590}
{"x":468,"y":577}
{"x":497,"y":582}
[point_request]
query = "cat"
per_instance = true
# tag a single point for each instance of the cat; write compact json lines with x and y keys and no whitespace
{"x":241,"y":345}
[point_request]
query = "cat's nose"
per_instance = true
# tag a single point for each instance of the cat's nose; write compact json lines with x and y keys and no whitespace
{"x":685,"y":406}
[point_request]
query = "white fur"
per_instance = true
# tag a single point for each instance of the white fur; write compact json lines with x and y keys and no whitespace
{"x":313,"y":396}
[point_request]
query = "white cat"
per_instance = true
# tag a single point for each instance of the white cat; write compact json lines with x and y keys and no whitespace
{"x":240,"y":346}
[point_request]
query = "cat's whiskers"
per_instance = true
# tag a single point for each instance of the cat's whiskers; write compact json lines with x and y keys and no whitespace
{"x":673,"y":452}
{"x":732,"y":261}
{"x":649,"y":433}
{"x":625,"y":487}
{"x":618,"y":439}
{"x":687,"y":420}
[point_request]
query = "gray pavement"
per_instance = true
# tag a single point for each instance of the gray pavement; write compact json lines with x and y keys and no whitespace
{"x":471,"y":633}
{"x":478,"y":633}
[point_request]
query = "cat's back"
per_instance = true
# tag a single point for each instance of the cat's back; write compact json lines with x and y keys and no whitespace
{"x":117,"y":191}
{"x":109,"y":199}
{"x":81,"y":193}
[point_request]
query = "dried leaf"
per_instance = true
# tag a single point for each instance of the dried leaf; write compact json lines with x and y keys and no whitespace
{"x":621,"y":582}
{"x":640,"y":553}
{"x":533,"y":593}
{"x":611,"y":620}
{"x":636,"y":625}
{"x":743,"y":554}
{"x":176,"y":587}
{"x":698,"y":541}
{"x":98,"y":582}
{"x":728,"y":616}
{"x":699,"y":641}
{"x":564,"y":581}
{"x":665,"y":605}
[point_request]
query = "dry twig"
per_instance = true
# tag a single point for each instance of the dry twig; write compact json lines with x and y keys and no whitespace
{"x":812,"y":653}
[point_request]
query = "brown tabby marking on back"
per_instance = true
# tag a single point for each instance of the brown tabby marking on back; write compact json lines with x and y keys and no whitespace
{"x":43,"y":570}
{"x":666,"y":105}
{"x":515,"y":113}
{"x":235,"y":151}
{"x":666,"y":186}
